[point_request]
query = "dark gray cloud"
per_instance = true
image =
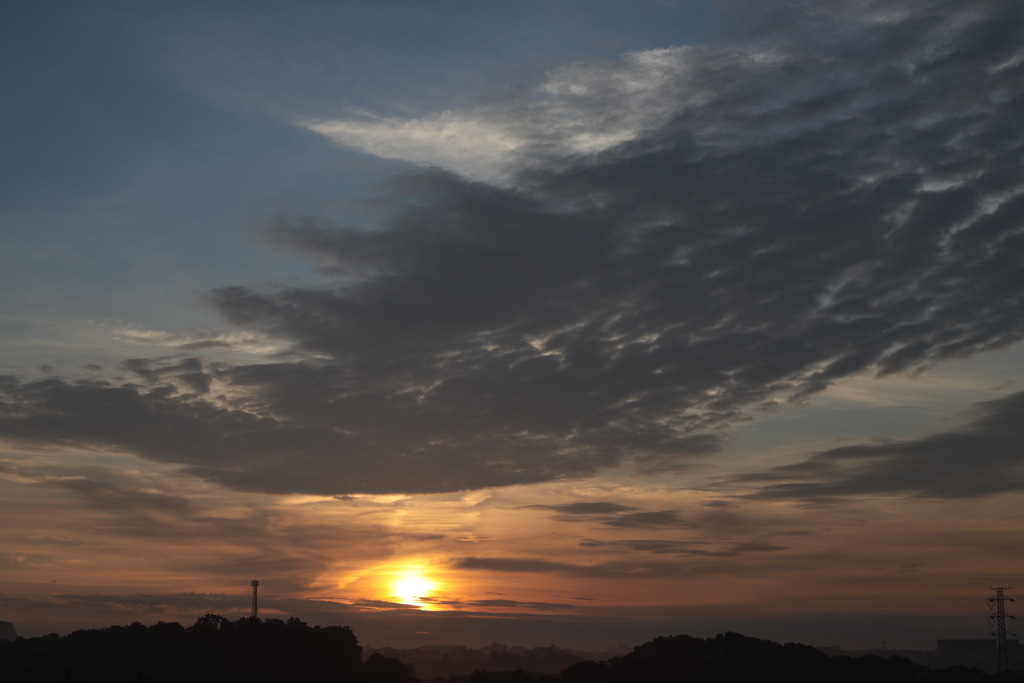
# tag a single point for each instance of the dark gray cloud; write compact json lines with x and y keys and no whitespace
{"x":648,"y":520}
{"x":684,"y":548}
{"x":188,"y":372}
{"x":211,"y":602}
{"x":655,"y":546}
{"x":722,"y":516}
{"x":515,"y":604}
{"x":982,"y":458}
{"x":468,"y":606}
{"x":585,"y":509}
{"x":617,"y":515}
{"x":837,"y":191}
{"x":619,"y":569}
{"x":513,"y":565}
{"x":205,"y":345}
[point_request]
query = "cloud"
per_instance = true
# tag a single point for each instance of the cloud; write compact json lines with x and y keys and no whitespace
{"x":202,"y":339}
{"x":207,"y":602}
{"x":538,"y":606}
{"x":723,"y":516}
{"x":189,"y":372}
{"x":570,"y":511}
{"x":983,"y":458}
{"x":584,"y":509}
{"x":683,"y":548}
{"x":648,"y":520}
{"x":168,"y":527}
{"x":830,"y":190}
{"x":614,"y":569}
{"x":513,"y":565}
{"x":581,"y":108}
{"x":103,"y":488}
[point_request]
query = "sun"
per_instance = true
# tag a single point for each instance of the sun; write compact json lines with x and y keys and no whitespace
{"x":413,"y":587}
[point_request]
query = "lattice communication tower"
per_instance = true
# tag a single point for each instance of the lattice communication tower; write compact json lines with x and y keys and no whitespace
{"x":255,"y":606}
{"x":998,"y":603}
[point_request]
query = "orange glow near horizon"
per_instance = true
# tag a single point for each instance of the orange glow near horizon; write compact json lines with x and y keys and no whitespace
{"x":411,"y":586}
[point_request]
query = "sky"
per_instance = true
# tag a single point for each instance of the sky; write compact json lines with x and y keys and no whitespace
{"x":538,"y":322}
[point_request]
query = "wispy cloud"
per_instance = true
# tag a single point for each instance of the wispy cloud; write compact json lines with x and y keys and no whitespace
{"x":201,"y":340}
{"x":684,"y":548}
{"x":581,"y":108}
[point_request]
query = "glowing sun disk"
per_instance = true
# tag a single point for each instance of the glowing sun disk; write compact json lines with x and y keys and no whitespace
{"x":410,"y":588}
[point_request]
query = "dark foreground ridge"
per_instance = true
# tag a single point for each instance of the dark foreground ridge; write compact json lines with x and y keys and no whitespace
{"x":272,"y":650}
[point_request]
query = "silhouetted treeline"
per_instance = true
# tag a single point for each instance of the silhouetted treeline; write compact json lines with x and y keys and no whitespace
{"x":214,"y":649}
{"x":253,"y":650}
{"x":733,"y":658}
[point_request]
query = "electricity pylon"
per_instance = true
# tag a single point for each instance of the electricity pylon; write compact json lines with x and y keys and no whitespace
{"x":997,"y":602}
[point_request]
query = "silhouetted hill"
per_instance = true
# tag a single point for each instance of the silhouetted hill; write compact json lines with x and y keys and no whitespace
{"x":7,"y":631}
{"x":734,"y":658}
{"x":272,"y":650}
{"x":973,"y":654}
